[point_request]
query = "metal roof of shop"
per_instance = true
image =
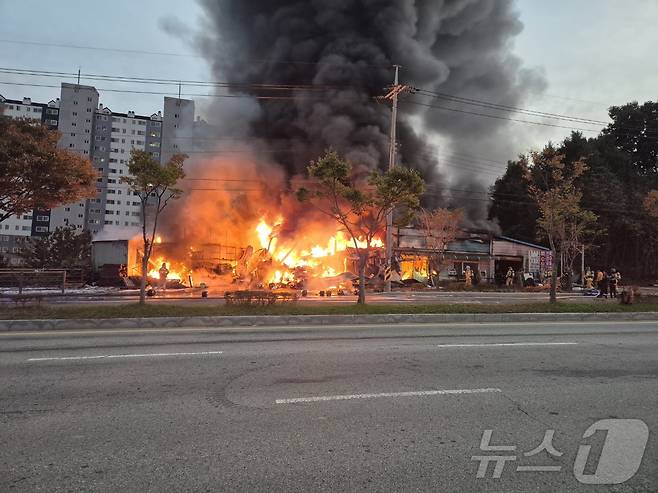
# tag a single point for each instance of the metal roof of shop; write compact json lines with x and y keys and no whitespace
{"x":513,"y":240}
{"x":469,"y":246}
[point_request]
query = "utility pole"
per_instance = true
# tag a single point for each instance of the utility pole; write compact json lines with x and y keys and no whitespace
{"x":392,"y":95}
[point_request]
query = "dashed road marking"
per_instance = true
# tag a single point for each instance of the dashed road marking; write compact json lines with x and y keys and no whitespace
{"x":421,"y":393}
{"x":117,"y":356}
{"x":508,"y":344}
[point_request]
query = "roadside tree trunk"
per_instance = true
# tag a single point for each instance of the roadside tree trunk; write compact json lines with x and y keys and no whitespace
{"x":553,"y":295}
{"x":363,"y":259}
{"x":142,"y":286}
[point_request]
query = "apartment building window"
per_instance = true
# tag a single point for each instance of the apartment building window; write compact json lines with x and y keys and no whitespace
{"x":111,"y":180}
{"x":88,"y":110}
{"x":109,"y":212}
{"x":41,"y":229}
{"x":115,"y":129}
{"x":112,"y":170}
{"x":72,"y":134}
{"x":75,"y":103}
{"x":140,"y":132}
{"x":67,"y":209}
{"x":89,"y":99}
{"x":49,"y":111}
{"x":43,"y":219}
{"x":111,"y":192}
{"x":75,"y":113}
{"x":26,"y":228}
{"x":71,"y":145}
{"x":73,"y":124}
{"x":52,"y":122}
{"x":110,"y":202}
{"x":108,"y":222}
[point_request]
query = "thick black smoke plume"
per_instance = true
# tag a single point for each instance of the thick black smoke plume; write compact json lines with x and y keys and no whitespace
{"x":346,"y":49}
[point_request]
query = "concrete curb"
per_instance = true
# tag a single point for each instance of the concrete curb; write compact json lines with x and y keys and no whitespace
{"x":315,"y":320}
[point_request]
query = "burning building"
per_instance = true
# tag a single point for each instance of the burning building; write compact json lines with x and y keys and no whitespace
{"x":298,"y":78}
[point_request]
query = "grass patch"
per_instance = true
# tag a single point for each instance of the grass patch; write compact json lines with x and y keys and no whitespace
{"x":162,"y":310}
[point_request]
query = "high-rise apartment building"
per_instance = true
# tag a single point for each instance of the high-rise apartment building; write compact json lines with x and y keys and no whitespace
{"x":106,"y":138}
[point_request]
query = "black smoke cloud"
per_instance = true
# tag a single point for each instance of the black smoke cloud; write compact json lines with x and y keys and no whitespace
{"x":346,"y":48}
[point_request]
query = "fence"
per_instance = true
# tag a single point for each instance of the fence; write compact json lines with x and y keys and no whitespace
{"x":31,"y":278}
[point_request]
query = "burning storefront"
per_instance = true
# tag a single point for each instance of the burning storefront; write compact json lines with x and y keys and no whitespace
{"x":487,"y":255}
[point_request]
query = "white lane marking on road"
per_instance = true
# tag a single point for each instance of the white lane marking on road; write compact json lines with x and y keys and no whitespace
{"x":112,"y":356}
{"x":508,"y":344}
{"x":348,"y":397}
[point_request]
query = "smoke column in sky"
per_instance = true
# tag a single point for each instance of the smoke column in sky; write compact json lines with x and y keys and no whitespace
{"x":346,"y":48}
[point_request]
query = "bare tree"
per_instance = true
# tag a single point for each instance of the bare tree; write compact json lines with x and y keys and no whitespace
{"x":441,"y":226}
{"x":155,"y":185}
{"x":562,"y":219}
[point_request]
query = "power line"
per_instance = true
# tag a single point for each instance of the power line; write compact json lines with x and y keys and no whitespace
{"x":511,"y":109}
{"x":173,"y":93}
{"x":455,"y":110}
{"x":184,"y":55}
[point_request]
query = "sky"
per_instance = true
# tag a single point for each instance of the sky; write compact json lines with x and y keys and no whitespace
{"x":593,"y":53}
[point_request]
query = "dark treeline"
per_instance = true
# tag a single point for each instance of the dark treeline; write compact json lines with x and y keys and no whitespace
{"x":622,"y":169}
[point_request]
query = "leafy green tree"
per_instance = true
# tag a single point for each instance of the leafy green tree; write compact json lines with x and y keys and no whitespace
{"x":513,"y":205}
{"x":359,"y":206}
{"x":35,"y":173}
{"x":63,"y":248}
{"x":156,"y":187}
{"x":634,"y":131}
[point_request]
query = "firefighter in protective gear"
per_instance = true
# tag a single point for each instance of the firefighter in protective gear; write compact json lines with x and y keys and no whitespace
{"x":614,"y":279}
{"x":509,"y":278}
{"x":589,"y":279}
{"x":468,"y":276}
{"x":164,"y":272}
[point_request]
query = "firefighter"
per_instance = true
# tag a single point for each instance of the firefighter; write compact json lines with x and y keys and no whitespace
{"x":468,"y":277}
{"x":613,"y":282}
{"x":603,"y":285}
{"x":509,"y":277}
{"x":589,"y":279}
{"x":164,"y":272}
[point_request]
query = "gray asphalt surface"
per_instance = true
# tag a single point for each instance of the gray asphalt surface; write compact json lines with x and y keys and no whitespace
{"x":209,"y":410}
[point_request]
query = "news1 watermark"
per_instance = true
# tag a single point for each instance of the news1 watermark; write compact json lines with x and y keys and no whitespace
{"x":619,"y":459}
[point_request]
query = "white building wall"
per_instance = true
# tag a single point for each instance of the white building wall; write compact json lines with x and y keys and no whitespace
{"x":122,"y":208}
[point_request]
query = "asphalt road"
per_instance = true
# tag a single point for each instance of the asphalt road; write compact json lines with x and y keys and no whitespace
{"x":399,"y":408}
